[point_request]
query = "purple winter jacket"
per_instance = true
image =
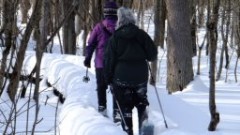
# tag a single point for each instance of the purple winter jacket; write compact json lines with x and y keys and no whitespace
{"x":98,"y":37}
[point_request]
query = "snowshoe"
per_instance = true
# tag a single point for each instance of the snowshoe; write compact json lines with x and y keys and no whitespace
{"x":147,"y":128}
{"x":102,"y":110}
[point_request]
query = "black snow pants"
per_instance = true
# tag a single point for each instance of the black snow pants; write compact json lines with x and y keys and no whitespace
{"x":128,"y":97}
{"x":101,"y":90}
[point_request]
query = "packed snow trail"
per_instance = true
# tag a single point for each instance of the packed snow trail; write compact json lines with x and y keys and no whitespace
{"x":186,"y":112}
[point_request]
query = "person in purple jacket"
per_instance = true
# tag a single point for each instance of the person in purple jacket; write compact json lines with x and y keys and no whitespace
{"x":97,"y":40}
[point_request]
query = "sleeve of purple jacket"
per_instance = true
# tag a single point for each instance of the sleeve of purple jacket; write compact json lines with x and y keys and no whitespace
{"x":92,"y":42}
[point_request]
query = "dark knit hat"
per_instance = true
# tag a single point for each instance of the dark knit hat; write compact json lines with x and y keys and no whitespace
{"x":110,"y":9}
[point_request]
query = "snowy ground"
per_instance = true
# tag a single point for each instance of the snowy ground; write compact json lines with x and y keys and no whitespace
{"x":186,"y":112}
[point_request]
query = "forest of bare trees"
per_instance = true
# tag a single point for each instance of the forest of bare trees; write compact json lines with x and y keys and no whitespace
{"x":176,"y":24}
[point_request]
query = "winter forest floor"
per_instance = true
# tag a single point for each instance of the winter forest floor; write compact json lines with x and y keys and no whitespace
{"x":186,"y":112}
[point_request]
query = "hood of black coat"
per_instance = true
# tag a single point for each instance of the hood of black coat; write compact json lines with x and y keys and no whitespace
{"x":127,"y":31}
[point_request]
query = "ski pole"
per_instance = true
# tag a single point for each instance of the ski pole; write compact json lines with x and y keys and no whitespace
{"x":86,"y":77}
{"x":120,"y":110}
{"x":158,"y":97}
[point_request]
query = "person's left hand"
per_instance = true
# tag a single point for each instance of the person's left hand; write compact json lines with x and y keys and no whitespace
{"x":87,"y":63}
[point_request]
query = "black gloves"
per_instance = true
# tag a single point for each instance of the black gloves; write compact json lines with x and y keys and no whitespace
{"x":87,"y":63}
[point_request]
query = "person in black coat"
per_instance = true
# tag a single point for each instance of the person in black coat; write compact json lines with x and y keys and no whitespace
{"x":126,"y":69}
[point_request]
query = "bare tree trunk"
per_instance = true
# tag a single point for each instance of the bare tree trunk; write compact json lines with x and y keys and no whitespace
{"x":208,"y":19}
{"x":200,"y":54}
{"x":85,"y":30}
{"x":140,"y":15}
{"x":1,"y":11}
{"x":97,"y":15}
{"x":40,"y":44}
{"x":193,"y":27}
{"x":235,"y":69}
{"x":179,"y":56}
{"x":24,"y":7}
{"x":39,"y":53}
{"x":10,"y":31}
{"x":57,"y":16}
{"x":46,"y":21}
{"x":223,"y":37}
{"x":158,"y":33}
{"x":225,"y":18}
{"x":162,"y":20}
{"x":212,"y":28}
{"x":14,"y":80}
{"x":56,"y":13}
{"x":236,"y":28}
{"x":69,"y":35}
{"x":8,"y":18}
{"x":201,"y":9}
{"x":85,"y":21}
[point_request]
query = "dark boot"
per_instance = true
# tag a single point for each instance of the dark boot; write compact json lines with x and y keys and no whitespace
{"x":142,"y":114}
{"x":128,"y":121}
{"x":103,"y":111}
{"x":116,"y":116}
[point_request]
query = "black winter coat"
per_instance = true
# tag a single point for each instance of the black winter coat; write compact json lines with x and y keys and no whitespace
{"x":126,"y":55}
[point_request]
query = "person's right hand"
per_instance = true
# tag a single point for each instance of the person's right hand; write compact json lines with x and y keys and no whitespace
{"x":87,"y":63}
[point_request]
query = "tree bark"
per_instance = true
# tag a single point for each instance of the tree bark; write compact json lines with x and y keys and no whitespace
{"x":140,"y":14}
{"x":201,"y":8}
{"x":85,"y":32}
{"x":162,"y":20}
{"x":225,"y":18}
{"x":200,"y":54}
{"x":69,"y":35}
{"x":24,"y":8}
{"x":193,"y":27}
{"x":213,"y":35}
{"x":207,"y":22}
{"x":236,"y":34}
{"x":159,"y":23}
{"x":179,"y":52}
{"x":39,"y":53}
{"x":96,"y":11}
{"x":10,"y":30}
{"x":8,"y":18}
{"x":14,"y":80}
